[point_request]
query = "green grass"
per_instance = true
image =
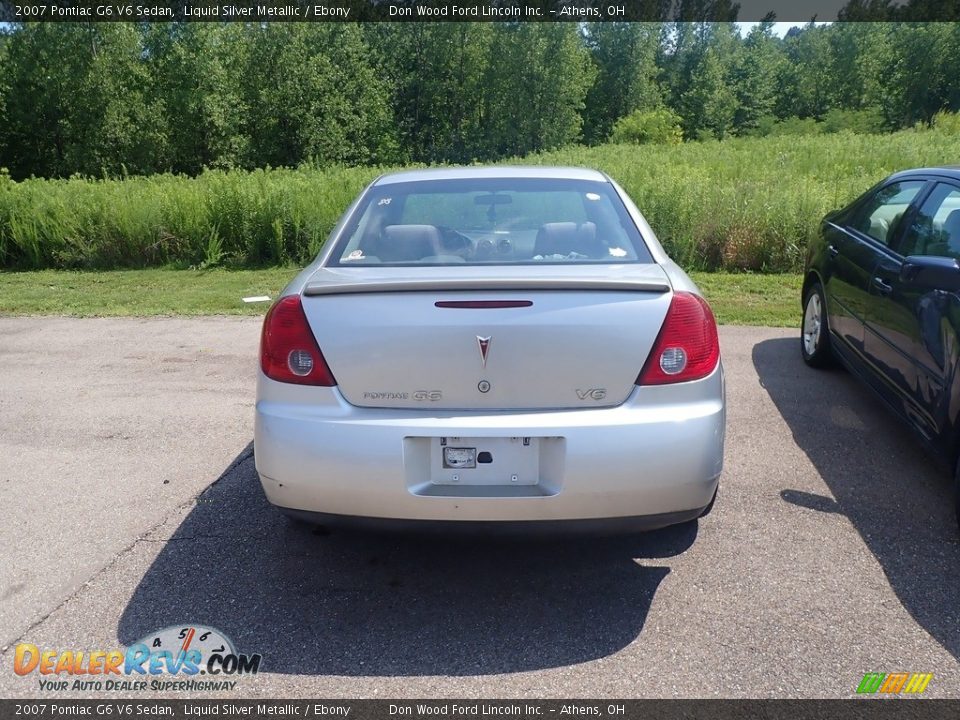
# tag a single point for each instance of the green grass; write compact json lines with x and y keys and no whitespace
{"x":139,"y":292}
{"x":265,"y":217}
{"x":742,"y":204}
{"x":755,"y":203}
{"x":752,"y":299}
{"x":736,"y":298}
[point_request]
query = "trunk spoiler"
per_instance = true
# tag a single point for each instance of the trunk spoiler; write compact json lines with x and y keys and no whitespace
{"x":489,"y":284}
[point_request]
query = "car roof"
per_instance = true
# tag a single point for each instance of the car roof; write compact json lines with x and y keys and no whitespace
{"x":500,"y":171}
{"x":950,"y":171}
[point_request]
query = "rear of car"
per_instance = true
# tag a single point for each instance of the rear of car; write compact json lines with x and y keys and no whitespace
{"x":491,"y":346}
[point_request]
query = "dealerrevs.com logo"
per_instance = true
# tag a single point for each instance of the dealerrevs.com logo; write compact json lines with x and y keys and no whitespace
{"x":894,"y":683}
{"x":180,"y":657}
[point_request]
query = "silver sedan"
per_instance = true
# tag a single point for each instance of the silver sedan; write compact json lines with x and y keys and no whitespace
{"x":491,"y":347}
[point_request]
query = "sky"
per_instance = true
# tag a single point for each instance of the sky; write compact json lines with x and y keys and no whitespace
{"x":779,"y":28}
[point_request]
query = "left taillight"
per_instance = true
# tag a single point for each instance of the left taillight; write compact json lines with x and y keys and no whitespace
{"x":288,"y":351}
{"x":687,"y":347}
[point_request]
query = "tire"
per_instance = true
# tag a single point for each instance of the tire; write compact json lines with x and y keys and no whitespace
{"x":814,"y":333}
{"x":956,"y":495}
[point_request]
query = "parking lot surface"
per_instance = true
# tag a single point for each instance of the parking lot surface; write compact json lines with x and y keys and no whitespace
{"x":129,"y":502}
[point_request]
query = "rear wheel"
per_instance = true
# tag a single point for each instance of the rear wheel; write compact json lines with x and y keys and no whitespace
{"x":956,"y":494}
{"x":814,"y":335}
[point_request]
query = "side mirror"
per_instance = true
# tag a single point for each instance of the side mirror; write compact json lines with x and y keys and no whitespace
{"x":931,"y":271}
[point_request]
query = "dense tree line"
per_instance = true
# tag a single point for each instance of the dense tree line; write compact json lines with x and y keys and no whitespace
{"x":114,"y":98}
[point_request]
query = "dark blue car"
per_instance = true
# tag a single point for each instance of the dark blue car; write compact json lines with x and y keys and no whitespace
{"x":881,"y":294}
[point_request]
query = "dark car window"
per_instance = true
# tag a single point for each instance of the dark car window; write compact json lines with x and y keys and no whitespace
{"x":936,"y":228}
{"x":879,"y":215}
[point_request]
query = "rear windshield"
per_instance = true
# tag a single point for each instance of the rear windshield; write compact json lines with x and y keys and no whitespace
{"x":501,"y":221}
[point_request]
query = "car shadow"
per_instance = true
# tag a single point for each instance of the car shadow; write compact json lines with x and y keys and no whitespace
{"x":314,"y":601}
{"x":898,"y":497}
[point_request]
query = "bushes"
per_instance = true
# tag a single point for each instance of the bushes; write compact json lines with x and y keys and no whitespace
{"x":740,"y":204}
{"x":660,"y":127}
{"x":796,"y":126}
{"x":947,"y":122}
{"x":860,"y":122}
{"x":753,"y":203}
{"x":866,"y":121}
{"x":234,"y":218}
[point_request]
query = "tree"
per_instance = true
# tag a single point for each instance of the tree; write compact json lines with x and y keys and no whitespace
{"x":37,"y":109}
{"x":111,"y":98}
{"x":625,"y":58}
{"x":919,"y":80}
{"x":196,"y":71}
{"x":708,"y":105}
{"x":312,"y":94}
{"x":537,"y":79}
{"x":754,"y":77}
{"x":116,"y":124}
{"x":660,"y":126}
{"x":435,"y":75}
{"x":77,"y":100}
{"x":805,"y":88}
{"x":4,"y":91}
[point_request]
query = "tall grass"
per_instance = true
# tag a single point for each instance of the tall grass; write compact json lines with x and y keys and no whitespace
{"x":744,"y":204}
{"x":754,"y":203}
{"x":266,"y":217}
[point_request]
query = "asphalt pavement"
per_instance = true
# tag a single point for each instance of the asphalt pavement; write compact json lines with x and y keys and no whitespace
{"x":129,"y":502}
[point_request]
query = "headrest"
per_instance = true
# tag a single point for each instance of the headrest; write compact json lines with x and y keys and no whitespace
{"x":563,"y":238}
{"x":951,"y":226}
{"x":407,"y":243}
{"x":951,"y":229}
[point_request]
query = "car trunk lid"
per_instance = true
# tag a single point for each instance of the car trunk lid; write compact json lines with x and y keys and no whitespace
{"x":507,"y":338}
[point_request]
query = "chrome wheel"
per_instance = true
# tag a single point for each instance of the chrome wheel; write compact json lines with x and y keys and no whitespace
{"x":812,"y":320}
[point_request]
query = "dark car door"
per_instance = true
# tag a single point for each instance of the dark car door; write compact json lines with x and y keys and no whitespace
{"x":912,"y":322}
{"x":856,"y":243}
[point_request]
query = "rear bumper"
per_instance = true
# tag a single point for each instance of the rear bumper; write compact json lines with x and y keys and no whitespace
{"x":652,"y":461}
{"x":499,"y":528}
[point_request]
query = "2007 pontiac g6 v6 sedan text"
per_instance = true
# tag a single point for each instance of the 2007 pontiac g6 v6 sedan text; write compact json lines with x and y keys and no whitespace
{"x":481,"y":347}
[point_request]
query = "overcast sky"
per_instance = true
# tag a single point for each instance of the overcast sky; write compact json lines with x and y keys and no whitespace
{"x":779,"y":28}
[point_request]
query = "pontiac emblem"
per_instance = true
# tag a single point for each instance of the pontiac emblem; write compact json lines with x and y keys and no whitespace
{"x":484,"y":344}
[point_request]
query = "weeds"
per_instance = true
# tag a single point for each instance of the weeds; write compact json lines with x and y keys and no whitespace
{"x":741,"y":204}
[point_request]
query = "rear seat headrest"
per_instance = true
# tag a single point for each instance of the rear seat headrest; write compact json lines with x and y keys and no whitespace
{"x":407,"y":243}
{"x":563,"y":238}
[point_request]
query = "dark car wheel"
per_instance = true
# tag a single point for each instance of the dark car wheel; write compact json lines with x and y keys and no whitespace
{"x":814,"y":337}
{"x":956,"y":494}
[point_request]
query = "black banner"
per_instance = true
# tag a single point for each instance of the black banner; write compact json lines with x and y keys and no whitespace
{"x":879,"y":709}
{"x":474,"y":10}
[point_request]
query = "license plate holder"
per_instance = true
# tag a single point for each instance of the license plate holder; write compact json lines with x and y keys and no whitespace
{"x":476,"y":461}
{"x":459,"y":457}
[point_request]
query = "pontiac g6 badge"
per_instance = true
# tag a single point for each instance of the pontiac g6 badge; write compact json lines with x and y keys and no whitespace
{"x":484,"y":343}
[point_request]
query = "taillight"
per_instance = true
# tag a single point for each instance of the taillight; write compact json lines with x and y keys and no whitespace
{"x":687,"y":347}
{"x":288,"y":351}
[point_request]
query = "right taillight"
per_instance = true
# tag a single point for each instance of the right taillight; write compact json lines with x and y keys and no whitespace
{"x":288,"y":351}
{"x":687,"y":347}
